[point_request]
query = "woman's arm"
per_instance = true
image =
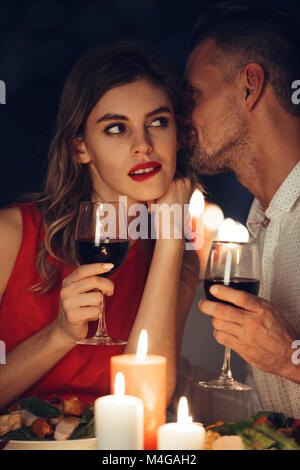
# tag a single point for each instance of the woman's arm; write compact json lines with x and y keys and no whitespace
{"x":80,"y":300}
{"x":167,"y":299}
{"x":35,"y":356}
{"x":29,"y":361}
{"x":168,"y":295}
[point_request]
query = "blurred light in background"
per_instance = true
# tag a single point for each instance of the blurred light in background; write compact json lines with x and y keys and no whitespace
{"x":232,"y":231}
{"x":213,"y":217}
{"x":197,"y":204}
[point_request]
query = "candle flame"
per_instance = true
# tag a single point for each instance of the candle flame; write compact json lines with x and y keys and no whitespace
{"x":183,"y":412}
{"x":142,"y":349}
{"x":119,"y":386}
{"x":197,"y":203}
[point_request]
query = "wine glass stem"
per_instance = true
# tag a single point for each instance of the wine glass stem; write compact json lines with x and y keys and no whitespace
{"x":226,"y":371}
{"x":101,"y":330}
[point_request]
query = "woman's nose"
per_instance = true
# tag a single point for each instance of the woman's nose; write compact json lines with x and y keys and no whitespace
{"x":141,"y":144}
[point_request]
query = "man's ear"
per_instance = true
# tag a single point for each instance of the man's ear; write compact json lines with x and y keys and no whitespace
{"x":253,"y":84}
{"x":79,"y":150}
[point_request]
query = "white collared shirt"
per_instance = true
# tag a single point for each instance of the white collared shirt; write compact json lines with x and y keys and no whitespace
{"x":278,"y":234}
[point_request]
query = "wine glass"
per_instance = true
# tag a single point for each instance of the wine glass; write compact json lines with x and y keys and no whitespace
{"x":102,"y":237}
{"x":233,"y":264}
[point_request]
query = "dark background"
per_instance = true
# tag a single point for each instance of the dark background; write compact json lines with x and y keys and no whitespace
{"x":39,"y":42}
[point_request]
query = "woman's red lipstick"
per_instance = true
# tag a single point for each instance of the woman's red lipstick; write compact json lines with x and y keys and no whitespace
{"x":143,"y":171}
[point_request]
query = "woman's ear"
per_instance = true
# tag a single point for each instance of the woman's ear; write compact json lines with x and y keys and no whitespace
{"x":80,"y":151}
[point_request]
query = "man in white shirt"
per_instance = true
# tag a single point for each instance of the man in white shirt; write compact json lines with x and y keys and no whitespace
{"x":239,"y":76}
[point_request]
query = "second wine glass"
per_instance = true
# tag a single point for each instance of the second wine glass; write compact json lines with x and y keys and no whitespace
{"x":102,"y":237}
{"x":235,"y":265}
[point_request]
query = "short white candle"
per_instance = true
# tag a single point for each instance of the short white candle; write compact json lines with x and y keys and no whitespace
{"x":183,"y":435}
{"x":119,"y":420}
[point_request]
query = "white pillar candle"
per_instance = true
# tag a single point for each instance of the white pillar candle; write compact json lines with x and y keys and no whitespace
{"x":183,"y":435}
{"x":119,"y":420}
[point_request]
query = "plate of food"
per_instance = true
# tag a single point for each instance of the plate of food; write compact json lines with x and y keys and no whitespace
{"x":35,"y":424}
{"x":263,"y":431}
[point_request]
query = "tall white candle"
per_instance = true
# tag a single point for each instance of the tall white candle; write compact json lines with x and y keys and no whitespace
{"x":183,"y":435}
{"x":119,"y":420}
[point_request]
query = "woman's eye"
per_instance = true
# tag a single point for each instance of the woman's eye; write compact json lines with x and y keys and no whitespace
{"x":159,"y":122}
{"x":115,"y":129}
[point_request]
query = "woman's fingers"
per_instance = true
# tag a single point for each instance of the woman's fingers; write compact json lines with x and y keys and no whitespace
{"x":81,"y":298}
{"x":88,"y":270}
{"x":95,"y":283}
{"x":85,"y":279}
{"x":82,"y":316}
{"x":149,"y":205}
{"x":91,"y":299}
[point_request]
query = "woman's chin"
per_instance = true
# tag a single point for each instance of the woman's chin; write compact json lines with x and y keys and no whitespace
{"x":150,"y":196}
{"x":153,"y":193}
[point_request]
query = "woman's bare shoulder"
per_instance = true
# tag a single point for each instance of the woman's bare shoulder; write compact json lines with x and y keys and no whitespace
{"x":10,"y":242}
{"x":10,"y":222}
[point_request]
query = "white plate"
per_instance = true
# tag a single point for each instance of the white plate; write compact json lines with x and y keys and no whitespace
{"x":72,"y":444}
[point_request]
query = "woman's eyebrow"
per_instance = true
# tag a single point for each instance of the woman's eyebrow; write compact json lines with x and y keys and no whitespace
{"x":112,"y":117}
{"x":161,"y":109}
{"x":120,"y":117}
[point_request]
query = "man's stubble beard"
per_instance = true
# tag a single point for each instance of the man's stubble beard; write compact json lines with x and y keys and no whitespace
{"x":230,"y":149}
{"x":228,"y":158}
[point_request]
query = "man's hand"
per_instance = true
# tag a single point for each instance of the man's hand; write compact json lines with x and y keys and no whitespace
{"x":254,"y":329}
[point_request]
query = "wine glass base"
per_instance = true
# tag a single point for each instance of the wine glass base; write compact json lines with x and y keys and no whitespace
{"x":225,"y":383}
{"x":102,"y":341}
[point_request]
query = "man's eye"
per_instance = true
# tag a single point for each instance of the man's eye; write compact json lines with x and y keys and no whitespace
{"x":159,"y":122}
{"x":115,"y":129}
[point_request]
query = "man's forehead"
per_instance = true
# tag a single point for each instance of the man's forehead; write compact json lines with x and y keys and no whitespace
{"x":201,"y":60}
{"x":204,"y":53}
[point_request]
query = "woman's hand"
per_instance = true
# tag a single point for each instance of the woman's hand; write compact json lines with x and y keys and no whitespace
{"x":179,"y":191}
{"x":178,"y":194}
{"x":81,"y":298}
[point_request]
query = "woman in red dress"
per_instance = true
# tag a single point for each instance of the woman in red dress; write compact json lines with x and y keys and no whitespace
{"x":119,"y":108}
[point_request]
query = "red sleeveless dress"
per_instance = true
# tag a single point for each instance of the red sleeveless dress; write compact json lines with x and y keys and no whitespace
{"x":84,"y":370}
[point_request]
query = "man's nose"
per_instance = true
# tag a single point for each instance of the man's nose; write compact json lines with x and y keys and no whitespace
{"x":141,"y":143}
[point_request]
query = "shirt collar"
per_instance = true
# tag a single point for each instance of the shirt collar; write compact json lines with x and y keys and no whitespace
{"x":283,"y":200}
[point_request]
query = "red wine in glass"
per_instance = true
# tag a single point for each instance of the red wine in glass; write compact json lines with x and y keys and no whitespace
{"x":102,"y":237}
{"x":235,"y":265}
{"x":107,"y":251}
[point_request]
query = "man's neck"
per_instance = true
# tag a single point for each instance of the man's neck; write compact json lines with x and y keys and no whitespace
{"x":265,"y":183}
{"x":270,"y":167}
